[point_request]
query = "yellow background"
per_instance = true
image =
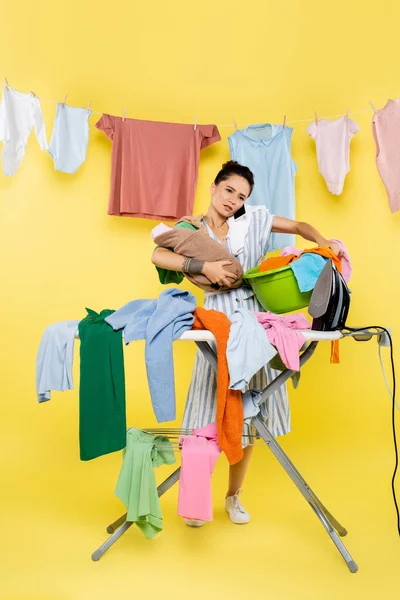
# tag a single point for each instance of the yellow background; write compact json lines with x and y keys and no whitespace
{"x":60,"y":252}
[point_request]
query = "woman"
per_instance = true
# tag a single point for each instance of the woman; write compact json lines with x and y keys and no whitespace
{"x":245,"y":231}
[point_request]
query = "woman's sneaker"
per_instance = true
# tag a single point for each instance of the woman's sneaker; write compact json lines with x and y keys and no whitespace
{"x":194,"y":522}
{"x":235,"y":509}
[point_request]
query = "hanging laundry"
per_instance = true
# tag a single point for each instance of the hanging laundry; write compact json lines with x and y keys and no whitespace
{"x":154,"y":166}
{"x":385,"y":129}
{"x":248,"y":348}
{"x":159,"y":322}
{"x":55,"y":358}
{"x":265,"y":149}
{"x":102,"y":418}
{"x":283,"y":332}
{"x":200,"y":453}
{"x":18,"y":114}
{"x":332,"y":140}
{"x":69,"y":140}
{"x":229,"y":402}
{"x":136,"y":485}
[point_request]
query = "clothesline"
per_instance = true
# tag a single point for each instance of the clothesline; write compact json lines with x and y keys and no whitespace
{"x":357,"y":112}
{"x":233,"y":124}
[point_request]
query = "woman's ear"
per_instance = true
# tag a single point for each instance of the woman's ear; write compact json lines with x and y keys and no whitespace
{"x":212,"y":188}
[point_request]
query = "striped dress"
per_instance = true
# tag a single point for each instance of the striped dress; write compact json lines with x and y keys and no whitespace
{"x":200,"y":407}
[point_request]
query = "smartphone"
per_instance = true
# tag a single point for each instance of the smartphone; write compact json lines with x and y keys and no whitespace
{"x":240,"y":212}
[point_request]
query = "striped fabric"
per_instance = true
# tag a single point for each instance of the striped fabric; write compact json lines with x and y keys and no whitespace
{"x":201,"y":400}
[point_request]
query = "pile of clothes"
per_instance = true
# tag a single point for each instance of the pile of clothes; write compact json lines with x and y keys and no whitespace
{"x":246,"y":341}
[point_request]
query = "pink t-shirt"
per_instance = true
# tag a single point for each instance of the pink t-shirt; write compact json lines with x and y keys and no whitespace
{"x":385,"y":128}
{"x":154,"y":166}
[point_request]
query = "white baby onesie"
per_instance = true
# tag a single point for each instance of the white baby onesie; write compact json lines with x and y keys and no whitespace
{"x":332,"y":139}
{"x":18,"y":114}
{"x":70,"y":137}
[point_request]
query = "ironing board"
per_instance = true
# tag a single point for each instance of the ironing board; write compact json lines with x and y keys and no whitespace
{"x":334,"y":529}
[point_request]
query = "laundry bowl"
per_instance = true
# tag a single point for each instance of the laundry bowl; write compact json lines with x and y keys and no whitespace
{"x":277,"y":290}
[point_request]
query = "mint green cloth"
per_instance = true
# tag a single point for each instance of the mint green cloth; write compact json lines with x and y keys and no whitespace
{"x":165,"y":276}
{"x":136,"y":485}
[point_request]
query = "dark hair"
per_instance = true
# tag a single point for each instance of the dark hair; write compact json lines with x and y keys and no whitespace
{"x":234,"y":168}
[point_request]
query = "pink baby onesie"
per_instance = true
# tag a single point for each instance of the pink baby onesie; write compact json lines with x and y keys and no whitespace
{"x":386,"y":128}
{"x":200,"y":452}
{"x":332,"y":140}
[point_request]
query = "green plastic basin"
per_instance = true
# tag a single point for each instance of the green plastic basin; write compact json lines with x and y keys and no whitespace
{"x":277,"y":290}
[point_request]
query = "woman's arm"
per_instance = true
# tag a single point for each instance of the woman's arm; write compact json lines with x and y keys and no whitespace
{"x":306,"y":231}
{"x":166,"y":259}
{"x":214,"y":271}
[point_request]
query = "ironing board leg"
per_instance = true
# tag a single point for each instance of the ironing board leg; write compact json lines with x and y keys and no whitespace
{"x":327,"y":520}
{"x":121,"y":528}
{"x":114,"y":526}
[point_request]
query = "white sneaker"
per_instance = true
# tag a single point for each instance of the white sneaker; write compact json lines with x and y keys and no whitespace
{"x":194,"y":522}
{"x":235,"y":509}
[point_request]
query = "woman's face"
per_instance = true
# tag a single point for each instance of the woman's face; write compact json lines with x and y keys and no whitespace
{"x":229,"y":195}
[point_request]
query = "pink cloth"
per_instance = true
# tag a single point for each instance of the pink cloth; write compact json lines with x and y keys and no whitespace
{"x":154,"y":166}
{"x":385,"y":128}
{"x":159,"y":229}
{"x":347,"y":267}
{"x":332,"y":141}
{"x":282,"y":332}
{"x":200,"y":452}
{"x":290,"y":250}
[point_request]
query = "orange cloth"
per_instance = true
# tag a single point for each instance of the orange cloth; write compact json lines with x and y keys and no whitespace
{"x":276,"y":262}
{"x":282,"y":261}
{"x":335,"y":357}
{"x":230,"y":417}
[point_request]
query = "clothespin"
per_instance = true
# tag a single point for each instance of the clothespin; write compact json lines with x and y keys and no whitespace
{"x":235,"y":124}
{"x":196,"y":119}
{"x":64,"y":101}
{"x":33,"y":94}
{"x":373,"y":107}
{"x":124,"y":114}
{"x":347,"y":113}
{"x":284,"y":122}
{"x":316,"y":118}
{"x":88,"y":107}
{"x":6,"y":83}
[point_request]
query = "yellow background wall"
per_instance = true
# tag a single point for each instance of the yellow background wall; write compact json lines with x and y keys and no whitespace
{"x":60,"y":252}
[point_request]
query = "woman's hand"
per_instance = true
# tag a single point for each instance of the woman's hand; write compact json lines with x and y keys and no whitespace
{"x":334,"y":246}
{"x":216,"y":272}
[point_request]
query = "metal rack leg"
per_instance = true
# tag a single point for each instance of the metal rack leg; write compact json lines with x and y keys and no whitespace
{"x":121,"y":528}
{"x":327,"y":520}
{"x":114,"y":526}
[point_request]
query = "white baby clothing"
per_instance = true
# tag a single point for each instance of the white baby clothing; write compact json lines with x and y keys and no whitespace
{"x":332,"y":140}
{"x":69,"y":140}
{"x":18,"y":114}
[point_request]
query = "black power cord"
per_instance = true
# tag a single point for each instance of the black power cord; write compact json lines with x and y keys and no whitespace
{"x":378,"y":328}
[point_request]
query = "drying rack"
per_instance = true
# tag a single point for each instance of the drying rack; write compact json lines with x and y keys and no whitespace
{"x":333,"y":528}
